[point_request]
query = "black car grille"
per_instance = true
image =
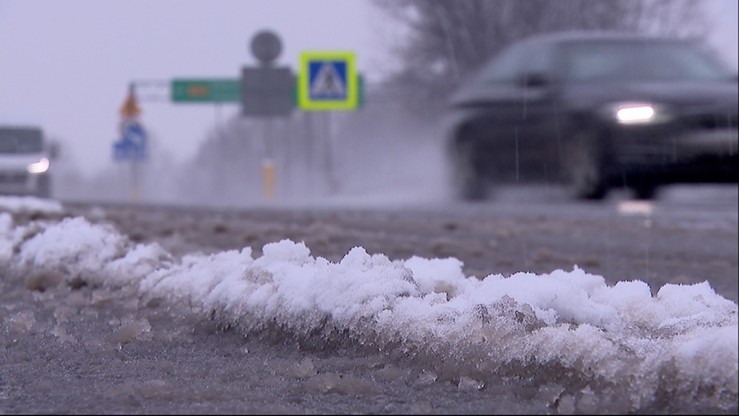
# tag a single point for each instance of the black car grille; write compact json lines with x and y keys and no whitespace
{"x":13,"y":178}
{"x":711,"y":121}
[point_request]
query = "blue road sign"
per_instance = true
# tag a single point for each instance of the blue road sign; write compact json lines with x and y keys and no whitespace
{"x":133,"y":145}
{"x":327,"y":80}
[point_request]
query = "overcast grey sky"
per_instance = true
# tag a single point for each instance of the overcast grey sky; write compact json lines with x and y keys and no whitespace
{"x":66,"y":65}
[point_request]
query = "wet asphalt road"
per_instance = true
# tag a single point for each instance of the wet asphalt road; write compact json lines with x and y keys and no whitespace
{"x":688,"y":235}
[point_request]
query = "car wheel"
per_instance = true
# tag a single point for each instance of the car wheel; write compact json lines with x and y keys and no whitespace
{"x":44,"y":187}
{"x":584,"y":167}
{"x":468,"y":183}
{"x":645,"y":191}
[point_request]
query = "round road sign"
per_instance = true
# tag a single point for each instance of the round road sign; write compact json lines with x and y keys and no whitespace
{"x":266,"y":46}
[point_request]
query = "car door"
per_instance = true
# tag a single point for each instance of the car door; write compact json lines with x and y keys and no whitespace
{"x":536,"y":124}
{"x":512,"y":110}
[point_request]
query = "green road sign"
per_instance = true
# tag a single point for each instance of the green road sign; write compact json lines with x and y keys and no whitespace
{"x":206,"y":90}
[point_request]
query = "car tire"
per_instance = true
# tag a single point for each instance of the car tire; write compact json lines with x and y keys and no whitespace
{"x":645,"y":191}
{"x":584,"y":167}
{"x":43,"y":189}
{"x":468,"y":183}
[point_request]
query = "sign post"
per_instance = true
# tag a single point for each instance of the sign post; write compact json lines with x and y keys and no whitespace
{"x":133,"y":144}
{"x":328,"y":81}
{"x":267,"y":92}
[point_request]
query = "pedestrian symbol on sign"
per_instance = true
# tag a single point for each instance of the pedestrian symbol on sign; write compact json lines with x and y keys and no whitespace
{"x":328,"y":80}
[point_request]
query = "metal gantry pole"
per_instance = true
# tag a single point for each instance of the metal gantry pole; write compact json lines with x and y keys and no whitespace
{"x":329,"y":150}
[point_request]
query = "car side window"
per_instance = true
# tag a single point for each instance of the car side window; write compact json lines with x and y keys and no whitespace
{"x":537,"y":60}
{"x":595,"y":63}
{"x":506,"y":67}
{"x":512,"y":63}
{"x":629,"y":61}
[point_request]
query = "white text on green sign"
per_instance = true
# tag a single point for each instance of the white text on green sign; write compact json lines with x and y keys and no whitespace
{"x":206,"y":90}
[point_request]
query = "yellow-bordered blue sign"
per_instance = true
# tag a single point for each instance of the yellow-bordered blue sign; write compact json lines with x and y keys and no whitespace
{"x":327,"y":81}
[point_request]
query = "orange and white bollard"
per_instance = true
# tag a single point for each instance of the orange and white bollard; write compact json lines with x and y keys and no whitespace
{"x":268,"y":179}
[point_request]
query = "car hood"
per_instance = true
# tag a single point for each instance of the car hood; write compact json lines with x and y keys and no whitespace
{"x":687,"y":95}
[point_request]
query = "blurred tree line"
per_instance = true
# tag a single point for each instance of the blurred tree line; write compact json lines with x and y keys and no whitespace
{"x":449,"y":39}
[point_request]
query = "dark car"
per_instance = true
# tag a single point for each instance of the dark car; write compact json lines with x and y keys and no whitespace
{"x":595,"y":111}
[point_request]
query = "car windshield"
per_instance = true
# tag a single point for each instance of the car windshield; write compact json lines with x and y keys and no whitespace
{"x":640,"y":61}
{"x":20,"y":141}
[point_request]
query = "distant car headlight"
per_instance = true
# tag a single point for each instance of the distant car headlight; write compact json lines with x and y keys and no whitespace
{"x":638,"y":113}
{"x":38,"y":167}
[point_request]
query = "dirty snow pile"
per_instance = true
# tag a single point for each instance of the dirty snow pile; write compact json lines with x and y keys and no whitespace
{"x":627,"y":341}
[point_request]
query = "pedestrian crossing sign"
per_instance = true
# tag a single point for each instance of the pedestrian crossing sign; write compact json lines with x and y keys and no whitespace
{"x":327,"y":81}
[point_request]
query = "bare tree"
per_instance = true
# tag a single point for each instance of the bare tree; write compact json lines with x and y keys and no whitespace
{"x":448,"y":39}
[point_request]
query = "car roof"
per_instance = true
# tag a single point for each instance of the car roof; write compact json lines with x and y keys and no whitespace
{"x":16,"y":128}
{"x":595,"y":35}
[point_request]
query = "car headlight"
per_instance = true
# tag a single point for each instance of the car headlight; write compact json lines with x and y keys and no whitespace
{"x":38,"y":167}
{"x":638,"y":113}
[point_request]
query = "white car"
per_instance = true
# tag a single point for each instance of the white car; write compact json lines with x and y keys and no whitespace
{"x":25,"y":162}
